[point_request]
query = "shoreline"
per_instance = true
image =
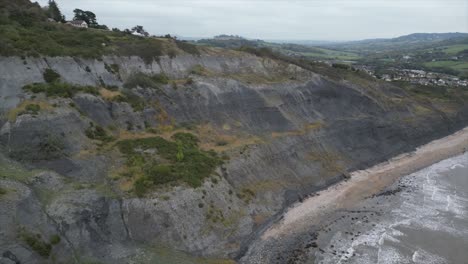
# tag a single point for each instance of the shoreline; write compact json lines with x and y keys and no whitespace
{"x":365,"y":183}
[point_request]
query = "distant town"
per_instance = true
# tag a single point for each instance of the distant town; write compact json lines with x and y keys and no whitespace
{"x":415,"y":76}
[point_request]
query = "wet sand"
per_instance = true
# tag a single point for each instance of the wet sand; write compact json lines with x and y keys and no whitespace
{"x":363,"y":184}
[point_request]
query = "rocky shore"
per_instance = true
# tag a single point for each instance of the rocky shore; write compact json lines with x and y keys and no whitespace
{"x":292,"y":238}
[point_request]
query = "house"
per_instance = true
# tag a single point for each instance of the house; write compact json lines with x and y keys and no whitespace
{"x":78,"y":23}
{"x":138,"y":34}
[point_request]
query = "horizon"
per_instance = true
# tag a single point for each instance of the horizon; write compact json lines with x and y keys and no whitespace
{"x":285,"y":21}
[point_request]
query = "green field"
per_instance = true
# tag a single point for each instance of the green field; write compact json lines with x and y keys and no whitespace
{"x":454,"y":49}
{"x":332,"y":54}
{"x":460,"y":66}
{"x":448,"y":64}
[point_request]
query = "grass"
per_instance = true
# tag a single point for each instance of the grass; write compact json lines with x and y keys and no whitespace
{"x":449,"y":64}
{"x":146,"y":81}
{"x":36,"y":243}
{"x":32,"y":107}
{"x":435,"y":93}
{"x":127,"y":96}
{"x":108,"y":94}
{"x":330,"y":162}
{"x":332,"y":54}
{"x":59,"y":89}
{"x":187,"y":47}
{"x":454,"y":49}
{"x":3,"y":191}
{"x":316,"y":126}
{"x":456,"y":66}
{"x":200,"y":70}
{"x":155,"y":161}
{"x":13,"y":171}
{"x":24,"y":31}
{"x":51,"y":76}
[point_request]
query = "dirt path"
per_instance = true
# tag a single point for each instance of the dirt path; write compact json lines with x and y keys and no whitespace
{"x":366,"y":183}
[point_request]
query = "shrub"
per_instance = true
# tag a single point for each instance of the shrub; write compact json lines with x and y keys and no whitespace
{"x":259,"y":52}
{"x":341,"y":66}
{"x":187,"y":47}
{"x":113,"y":68}
{"x":146,"y":81}
{"x":51,"y":76}
{"x":221,"y":142}
{"x":2,"y":191}
{"x":186,"y":139}
{"x":98,"y":133}
{"x":189,"y":81}
{"x":51,"y":148}
{"x":146,"y":48}
{"x":182,"y":161}
{"x":59,"y":89}
{"x":137,"y":103}
{"x":199,"y":70}
{"x":159,"y":174}
{"x":35,"y":242}
{"x":31,"y":109}
{"x":54,"y":240}
{"x":141,"y":186}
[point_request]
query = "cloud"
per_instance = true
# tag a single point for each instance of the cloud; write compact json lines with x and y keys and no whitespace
{"x":280,"y":19}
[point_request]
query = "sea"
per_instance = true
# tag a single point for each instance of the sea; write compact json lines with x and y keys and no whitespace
{"x":422,"y":218}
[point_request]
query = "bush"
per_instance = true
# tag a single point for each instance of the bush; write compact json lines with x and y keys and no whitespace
{"x":187,"y":47}
{"x":189,"y":81}
{"x":259,"y":52}
{"x":146,"y":48}
{"x":186,"y":139}
{"x":54,"y":240}
{"x":194,"y":166}
{"x":113,"y":68}
{"x":59,"y":89}
{"x":146,"y":81}
{"x":221,"y":142}
{"x":51,"y":148}
{"x":341,"y":66}
{"x":35,"y":242}
{"x":137,"y":103}
{"x":98,"y":133}
{"x":32,"y":109}
{"x":141,"y":186}
{"x":51,"y":76}
{"x":199,"y":70}
{"x":159,"y":174}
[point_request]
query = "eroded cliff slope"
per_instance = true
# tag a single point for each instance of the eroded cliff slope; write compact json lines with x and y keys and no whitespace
{"x":120,"y":161}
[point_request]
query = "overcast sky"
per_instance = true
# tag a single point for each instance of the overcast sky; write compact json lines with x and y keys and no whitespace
{"x":280,"y":19}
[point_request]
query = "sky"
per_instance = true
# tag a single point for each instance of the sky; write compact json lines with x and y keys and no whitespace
{"x":332,"y":20}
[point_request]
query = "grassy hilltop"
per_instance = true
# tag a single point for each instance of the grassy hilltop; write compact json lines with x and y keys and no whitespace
{"x":25,"y":31}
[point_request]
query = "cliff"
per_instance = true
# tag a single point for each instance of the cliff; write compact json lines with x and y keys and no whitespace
{"x":267,"y":133}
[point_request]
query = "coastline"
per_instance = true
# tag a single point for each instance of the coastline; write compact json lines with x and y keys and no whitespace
{"x":365,"y":183}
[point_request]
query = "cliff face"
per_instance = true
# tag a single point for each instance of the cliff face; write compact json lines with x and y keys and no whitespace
{"x":284,"y":132}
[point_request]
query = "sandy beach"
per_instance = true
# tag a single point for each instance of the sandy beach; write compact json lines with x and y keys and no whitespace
{"x":366,"y":183}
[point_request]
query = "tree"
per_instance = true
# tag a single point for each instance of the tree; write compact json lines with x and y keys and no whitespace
{"x":87,"y":16}
{"x":140,"y":30}
{"x":54,"y":12}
